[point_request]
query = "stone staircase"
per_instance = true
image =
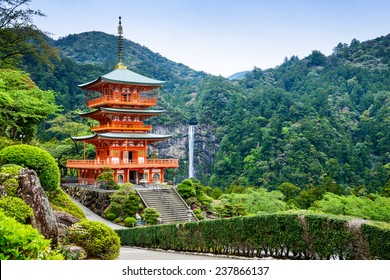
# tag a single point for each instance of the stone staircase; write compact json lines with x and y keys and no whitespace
{"x":168,"y":203}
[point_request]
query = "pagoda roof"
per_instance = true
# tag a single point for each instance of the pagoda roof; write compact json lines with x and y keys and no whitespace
{"x":123,"y":136}
{"x":123,"y":111}
{"x":123,"y":76}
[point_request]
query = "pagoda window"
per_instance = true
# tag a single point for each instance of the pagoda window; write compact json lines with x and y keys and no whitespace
{"x":120,"y":177}
{"x":108,"y":153}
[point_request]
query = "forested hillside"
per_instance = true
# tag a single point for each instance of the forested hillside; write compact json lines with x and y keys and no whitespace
{"x":314,"y":122}
{"x":317,"y":121}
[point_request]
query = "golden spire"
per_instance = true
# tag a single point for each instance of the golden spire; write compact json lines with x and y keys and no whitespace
{"x":120,"y":65}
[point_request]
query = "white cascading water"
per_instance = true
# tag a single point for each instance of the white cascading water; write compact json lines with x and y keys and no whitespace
{"x":191,"y":151}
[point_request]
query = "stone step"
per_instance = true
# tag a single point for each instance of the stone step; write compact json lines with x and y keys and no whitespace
{"x":168,"y":203}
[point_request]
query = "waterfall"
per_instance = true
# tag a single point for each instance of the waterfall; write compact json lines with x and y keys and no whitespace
{"x":191,"y":151}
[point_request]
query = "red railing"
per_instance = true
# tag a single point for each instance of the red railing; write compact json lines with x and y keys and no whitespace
{"x":103,"y":100}
{"x":97,"y":164}
{"x":123,"y":127}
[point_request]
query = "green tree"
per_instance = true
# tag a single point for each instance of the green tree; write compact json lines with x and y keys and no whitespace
{"x":290,"y":191}
{"x":19,"y":36}
{"x":106,"y":179}
{"x":23,"y":105}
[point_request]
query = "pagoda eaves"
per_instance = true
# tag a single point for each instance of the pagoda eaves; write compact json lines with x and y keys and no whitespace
{"x":122,"y":76}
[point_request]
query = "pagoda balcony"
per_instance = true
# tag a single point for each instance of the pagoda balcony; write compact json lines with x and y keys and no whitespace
{"x":115,"y":164}
{"x":121,"y":101}
{"x":121,"y":127}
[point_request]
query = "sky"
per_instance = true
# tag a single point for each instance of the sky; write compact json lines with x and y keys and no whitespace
{"x":223,"y":37}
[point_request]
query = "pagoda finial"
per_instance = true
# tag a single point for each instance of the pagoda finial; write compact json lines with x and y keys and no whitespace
{"x":120,"y":65}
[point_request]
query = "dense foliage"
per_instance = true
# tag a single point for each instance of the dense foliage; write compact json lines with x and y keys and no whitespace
{"x":277,"y":235}
{"x":9,"y":178}
{"x":314,"y":122}
{"x":16,"y":208}
{"x":23,"y":105}
{"x":60,"y":201}
{"x":99,"y":240}
{"x":23,"y":242}
{"x":124,"y":203}
{"x":373,"y":207}
{"x":35,"y":158}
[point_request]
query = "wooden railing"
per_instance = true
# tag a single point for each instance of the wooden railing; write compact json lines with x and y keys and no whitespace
{"x":103,"y":100}
{"x":123,"y":127}
{"x":97,"y":164}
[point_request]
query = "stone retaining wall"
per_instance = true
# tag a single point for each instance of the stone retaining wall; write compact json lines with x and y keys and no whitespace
{"x":97,"y":200}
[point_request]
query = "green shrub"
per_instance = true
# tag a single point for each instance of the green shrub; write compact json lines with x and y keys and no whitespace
{"x":130,"y":222}
{"x":11,"y":169}
{"x":186,"y":189}
{"x":8,"y":178}
{"x":98,"y":240}
{"x":199,"y":216}
{"x":111,"y":216}
{"x":151,"y":216}
{"x":35,"y":158}
{"x":23,"y":242}
{"x":61,"y":201}
{"x":16,"y":208}
{"x":114,"y":208}
{"x":118,"y":220}
{"x":132,"y":205}
{"x":216,"y":193}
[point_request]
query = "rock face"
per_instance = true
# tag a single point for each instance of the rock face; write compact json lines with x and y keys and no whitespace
{"x":95,"y":199}
{"x":31,"y":192}
{"x":206,"y":147}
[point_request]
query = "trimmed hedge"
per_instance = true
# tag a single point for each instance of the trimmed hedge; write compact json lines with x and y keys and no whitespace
{"x":378,"y":236}
{"x":276,"y":235}
{"x":35,"y":158}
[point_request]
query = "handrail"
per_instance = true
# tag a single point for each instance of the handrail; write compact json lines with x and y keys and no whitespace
{"x":122,"y":163}
{"x":119,"y":100}
{"x":122,"y":127}
{"x":143,"y":200}
{"x":185,"y":203}
{"x":166,"y":199}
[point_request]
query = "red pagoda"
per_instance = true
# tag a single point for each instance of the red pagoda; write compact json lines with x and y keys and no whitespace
{"x":121,"y":102}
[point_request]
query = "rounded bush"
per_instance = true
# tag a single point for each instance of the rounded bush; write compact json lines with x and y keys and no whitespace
{"x":98,"y":240}
{"x":35,"y":158}
{"x":151,"y":216}
{"x":186,"y":189}
{"x":111,"y":216}
{"x":16,"y":208}
{"x":130,"y":222}
{"x":114,"y":208}
{"x":23,"y":242}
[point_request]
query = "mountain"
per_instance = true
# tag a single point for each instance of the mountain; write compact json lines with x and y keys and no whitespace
{"x":317,"y":121}
{"x":321,"y":122}
{"x":87,"y":55}
{"x":238,"y":75}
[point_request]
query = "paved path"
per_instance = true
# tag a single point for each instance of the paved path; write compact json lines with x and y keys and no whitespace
{"x":130,"y":253}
